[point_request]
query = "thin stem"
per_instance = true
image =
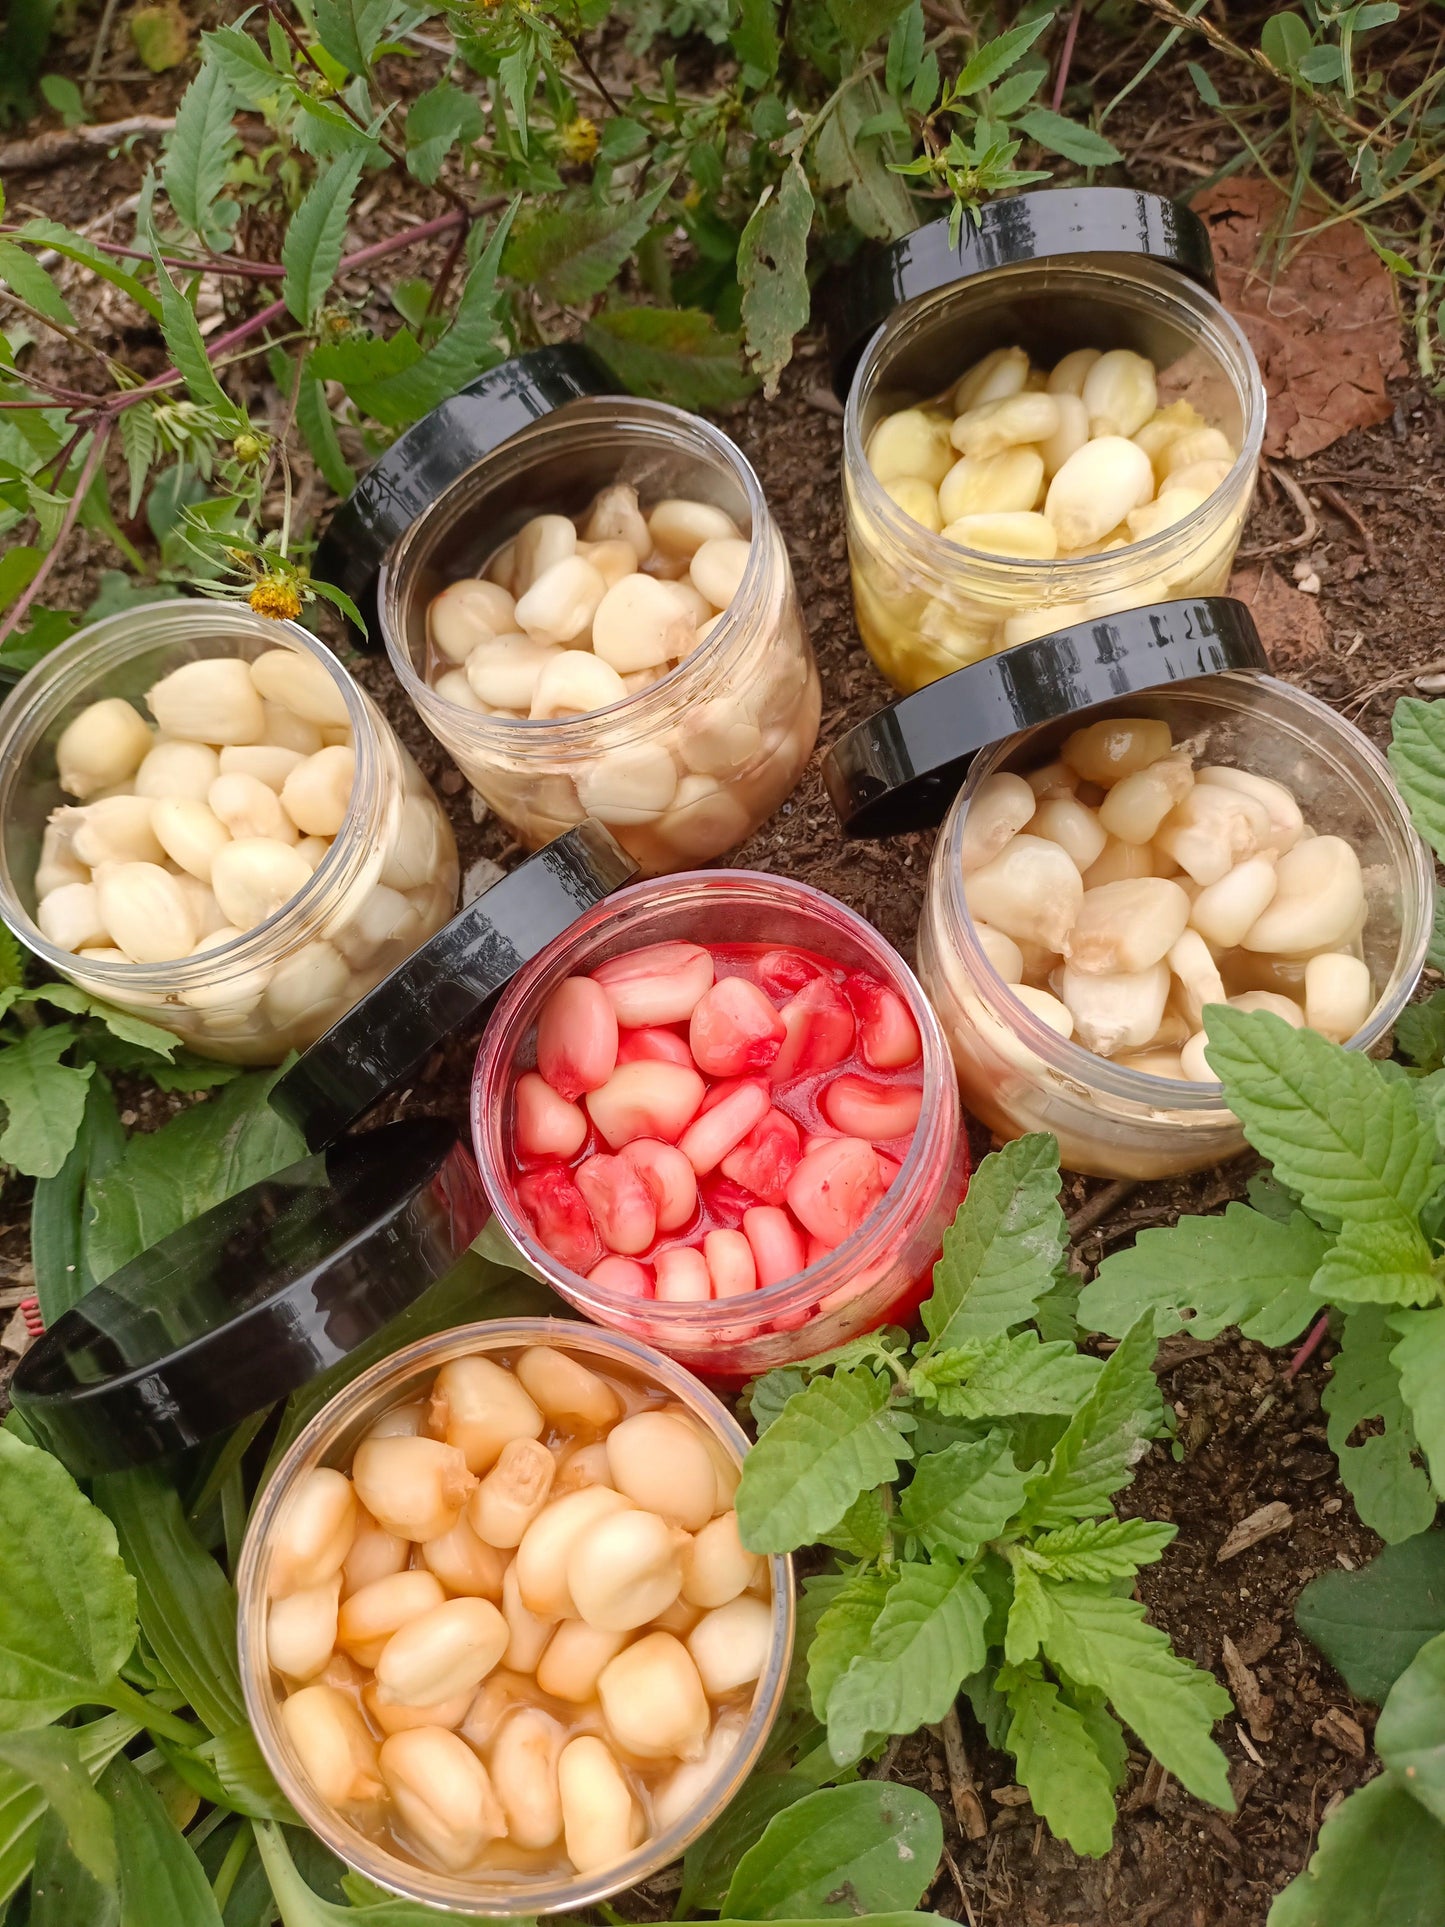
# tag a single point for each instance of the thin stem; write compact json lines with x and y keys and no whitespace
{"x":155,"y":1719}
{"x":22,"y":608}
{"x":1066,"y":55}
{"x":586,"y":65}
{"x":210,"y":264}
{"x":97,"y":52}
{"x":230,"y":1868}
{"x":1311,"y":1345}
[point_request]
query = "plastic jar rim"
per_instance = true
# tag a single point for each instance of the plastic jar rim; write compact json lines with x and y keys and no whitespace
{"x":940,"y":1114}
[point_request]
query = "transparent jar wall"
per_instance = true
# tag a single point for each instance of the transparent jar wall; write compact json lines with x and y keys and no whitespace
{"x":330,"y":1439}
{"x":874,"y":1277}
{"x":925,"y":606}
{"x":737,"y":720}
{"x":278,"y":987}
{"x":1018,"y":1075}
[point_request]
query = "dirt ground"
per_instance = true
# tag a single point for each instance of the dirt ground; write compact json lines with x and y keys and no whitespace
{"x":1250,"y":1435}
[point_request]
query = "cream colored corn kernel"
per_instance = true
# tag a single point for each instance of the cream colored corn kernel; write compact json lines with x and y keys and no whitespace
{"x":442,"y":1794}
{"x":1106,"y":752}
{"x":1222,"y":912}
{"x":917,"y":499}
{"x":653,"y":1699}
{"x":1211,"y":830}
{"x":1067,"y":377}
{"x":1137,"y":804}
{"x":996,"y":425}
{"x":1002,"y":952}
{"x":1115,"y":1012}
{"x":1120,"y":393}
{"x":601,"y":1821}
{"x":1031,"y":891}
{"x":467,"y":613}
{"x":1339,"y":995}
{"x":1006,"y":483}
{"x":1095,"y":489}
{"x":104,"y":745}
{"x":1126,"y":926}
{"x":1319,"y":902}
{"x":1001,"y":373}
{"x":1024,"y":536}
{"x":1047,"y":1008}
{"x":997,"y":811}
{"x":1074,"y":827}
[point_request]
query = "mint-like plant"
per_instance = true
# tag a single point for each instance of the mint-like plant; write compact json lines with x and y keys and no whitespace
{"x":968,"y":1481}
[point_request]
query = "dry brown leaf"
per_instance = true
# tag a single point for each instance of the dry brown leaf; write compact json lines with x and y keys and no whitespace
{"x":1291,"y":625}
{"x":1261,"y":1524}
{"x":1326,"y":330}
{"x":1255,"y":1704}
{"x":1336,"y":1726}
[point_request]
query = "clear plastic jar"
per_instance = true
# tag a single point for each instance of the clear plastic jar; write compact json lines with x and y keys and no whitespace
{"x":1018,"y":1075}
{"x":877,"y":1275}
{"x":738,"y":717}
{"x":329,"y":1440}
{"x":277,"y":987}
{"x":926,"y":606}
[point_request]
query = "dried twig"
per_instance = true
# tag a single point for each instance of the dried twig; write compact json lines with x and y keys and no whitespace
{"x":1307,"y":515}
{"x":1352,"y":515}
{"x":967,"y":1807}
{"x":67,"y":143}
{"x":1100,"y":1205}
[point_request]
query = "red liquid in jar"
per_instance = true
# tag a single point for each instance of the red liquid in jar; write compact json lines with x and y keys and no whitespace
{"x":720,"y":1118}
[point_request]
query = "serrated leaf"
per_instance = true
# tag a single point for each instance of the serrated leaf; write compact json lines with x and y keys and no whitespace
{"x":575,"y":252}
{"x":243,"y":63}
{"x":1001,"y":1251}
{"x":1099,"y":1549}
{"x":843,"y":1631}
{"x":1103,"y":1641}
{"x":862,"y":1532}
{"x":1016,"y":92}
{"x":861,"y":22}
{"x":1419,"y":1358}
{"x":905,"y":50}
{"x":198,"y":153}
{"x":311,"y":251}
{"x":1370,"y":1624}
{"x":318,"y":426}
{"x":1391,"y":1493}
{"x":1067,"y":137}
{"x":1417,"y":755}
{"x":1028,"y":1617}
{"x":755,"y":37}
{"x":1104,"y":1439}
{"x":351,"y":30}
{"x":435,"y":122}
{"x":926,"y":1641}
{"x":767,"y":1397}
{"x":843,"y":1851}
{"x":993,"y":59}
{"x":1003,"y":1376}
{"x":961,"y":1497}
{"x":671,"y":354}
{"x":1378,"y":1264}
{"x":188,"y":350}
{"x":878,"y":202}
{"x":138,"y":439}
{"x":773,"y":274}
{"x":44,"y":1100}
{"x":1068,"y":1783}
{"x":834,"y":1440}
{"x":1343,"y":1136}
{"x":1380,"y":1862}
{"x":31,"y":283}
{"x":1410,"y":1735}
{"x":1420,"y":1033}
{"x":1202,"y":1274}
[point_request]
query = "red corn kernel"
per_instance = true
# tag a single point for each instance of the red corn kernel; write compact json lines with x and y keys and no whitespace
{"x":659,"y":984}
{"x":766,"y":1158}
{"x":560,"y":1220}
{"x":721,"y":1126}
{"x":819,"y":1031}
{"x":544,"y":1123}
{"x":734,"y":1029}
{"x":784,"y":971}
{"x":668,"y":1176}
{"x":576,"y":1038}
{"x":682,"y":1277}
{"x":655,"y":1044}
{"x":835,"y":1187}
{"x":622,"y":1276}
{"x":887,"y":1035}
{"x":620,"y":1203}
{"x":645,"y":1099}
{"x":776,"y":1244}
{"x":878,"y":1112}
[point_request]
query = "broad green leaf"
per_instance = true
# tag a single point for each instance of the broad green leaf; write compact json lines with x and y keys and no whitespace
{"x":352,"y":30}
{"x":44,"y":1100}
{"x":708,"y":1864}
{"x":1001,"y":1251}
{"x":1341,"y":1134}
{"x":301,"y":1907}
{"x":1099,"y":1549}
{"x":877,"y":200}
{"x":1017,"y":91}
{"x":835,"y":1439}
{"x":1105,"y":1438}
{"x":1378,"y":1264}
{"x":1001,"y":1376}
{"x":62,"y":1892}
{"x":961,"y":1497}
{"x":1417,"y":756}
{"x":862,"y":1532}
{"x":243,"y":62}
{"x":773,"y":274}
{"x":1410,"y":1735}
{"x":1370,"y":1624}
{"x":23,"y":1805}
{"x":1285,"y":39}
{"x":1391,"y":1493}
{"x":1028,"y":1617}
{"x":995,"y":57}
{"x":188,"y":350}
{"x":576,"y":251}
{"x":1068,"y":1783}
{"x":316,"y":422}
{"x":18,"y":570}
{"x":61,"y":1276}
{"x":198,"y":153}
{"x":671,"y":354}
{"x":120,"y":1023}
{"x":1420,"y":1033}
{"x":51,"y":1759}
{"x":67,"y":1605}
{"x":1103,"y":1641}
{"x":1419,"y":1358}
{"x":905,"y":50}
{"x":1435,"y":955}
{"x":861,"y":22}
{"x":926,"y":1641}
{"x":435,"y":122}
{"x":167,"y":1177}
{"x":1067,"y":137}
{"x":1380,"y":1862}
{"x":315,"y":236}
{"x":245,"y":1778}
{"x":843,"y":1632}
{"x":867,"y":1848}
{"x":1202,"y":1274}
{"x":755,"y":37}
{"x":32,"y":284}
{"x":160,"y":1877}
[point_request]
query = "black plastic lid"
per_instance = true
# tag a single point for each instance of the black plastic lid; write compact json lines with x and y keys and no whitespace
{"x":1026,"y":227}
{"x":448,"y":983}
{"x":253,"y":1299}
{"x":902,"y":768}
{"x":430,"y":456}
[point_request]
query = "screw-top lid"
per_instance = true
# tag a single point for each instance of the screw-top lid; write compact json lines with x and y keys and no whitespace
{"x":858,"y":298}
{"x":253,"y":1299}
{"x":448,"y":983}
{"x":444,"y":444}
{"x":901,"y":768}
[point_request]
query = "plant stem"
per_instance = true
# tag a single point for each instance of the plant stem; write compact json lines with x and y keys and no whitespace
{"x":1066,"y":55}
{"x":22,"y":607}
{"x":138,"y":1706}
{"x":231,"y":1866}
{"x":1311,"y":1345}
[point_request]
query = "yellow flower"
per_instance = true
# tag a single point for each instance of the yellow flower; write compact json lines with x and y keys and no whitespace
{"x":578,"y":140}
{"x":275,"y":597}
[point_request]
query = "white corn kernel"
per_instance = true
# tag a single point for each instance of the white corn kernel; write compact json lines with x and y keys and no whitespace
{"x":411,"y":854}
{"x":336,"y":1752}
{"x":1211,"y":830}
{"x":146,"y":912}
{"x":286,"y":730}
{"x":1154,"y":517}
{"x":561,"y":603}
{"x":238,"y":992}
{"x":996,"y":425}
{"x":730,"y":1645}
{"x":541,"y":1561}
{"x":1195,"y":445}
{"x":1192,"y":1060}
{"x":1000,"y":374}
{"x":661,"y":1463}
{"x":624,"y":1570}
{"x":58,"y":862}
{"x":1202,"y":477}
{"x":685,"y":1786}
{"x":104,"y":745}
{"x":466,"y":613}
{"x":910,"y":443}
{"x":641,"y":624}
{"x":1320,"y":901}
{"x":375,"y":1613}
{"x":317,"y":793}
{"x":616,"y":516}
{"x":1127,"y":926}
{"x":466,"y":1565}
{"x":997,"y":810}
{"x":1339,"y":995}
{"x":308,"y":980}
{"x":998,"y":484}
{"x":612,"y":560}
{"x":1139,"y":802}
{"x":69,"y":917}
{"x":717,"y":1566}
{"x":1002,"y":952}
{"x":679,"y":528}
{"x":209,"y":701}
{"x":575,"y":1655}
{"x":583,"y":1465}
{"x":301,"y":1629}
{"x":1047,"y":1008}
{"x":442,"y":1794}
{"x":717,"y":568}
{"x":541,"y":544}
{"x":716,"y":739}
{"x":1164,"y":427}
{"x":653,"y":1700}
{"x":114,"y":829}
{"x":503,"y":671}
{"x":527,"y":1633}
{"x":301,"y":684}
{"x":1051,"y":780}
{"x":565,"y":1389}
{"x":1106,"y":752}
{"x":314,"y":1534}
{"x":1286,"y":820}
{"x":1197,"y":975}
{"x":248,"y":808}
{"x":1120,"y":393}
{"x":1027,"y":537}
{"x":631,"y":784}
{"x":1222,"y":912}
{"x":394,"y":1717}
{"x":704,"y":819}
{"x":477,"y":1406}
{"x":601,"y":1821}
{"x":267,"y":762}
{"x":917,"y":499}
{"x":441,"y":1653}
{"x":1069,"y":437}
{"x":412,"y":1486}
{"x":374,"y":1554}
{"x":1073,"y":826}
{"x":1115,"y":1011}
{"x":512,"y":1493}
{"x":574,"y":683}
{"x":1067,"y":376}
{"x":1095,"y":489}
{"x":1031,"y":891}
{"x":453,"y":687}
{"x":178,"y":769}
{"x":383,"y":917}
{"x":524,"y":1773}
{"x":254,"y":876}
{"x":1273,"y":1002}
{"x":1117,"y":861}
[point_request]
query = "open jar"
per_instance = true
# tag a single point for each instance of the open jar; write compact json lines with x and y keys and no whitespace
{"x":274,"y":968}
{"x":1017,"y":1072}
{"x":1074,"y":273}
{"x":730,"y":1267}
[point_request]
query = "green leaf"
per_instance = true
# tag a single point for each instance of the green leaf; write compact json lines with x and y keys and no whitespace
{"x":1378,"y":1264}
{"x":1419,"y":1358}
{"x":843,"y":1631}
{"x":435,"y":122}
{"x":1016,"y":92}
{"x":198,"y":153}
{"x":1410,"y":1736}
{"x":834,"y":1440}
{"x":1202,"y":1274}
{"x":311,"y":251}
{"x":1370,"y":1624}
{"x":23,"y":1805}
{"x":1341,"y":1134}
{"x":247,"y":71}
{"x":1285,"y":39}
{"x":50,"y":1757}
{"x":62,"y":1893}
{"x":961,"y":1497}
{"x":861,"y":22}
{"x":1103,"y":1641}
{"x":169,"y":1176}
{"x":68,"y":1605}
{"x":1028,"y":1617}
{"x":877,"y":200}
{"x":1420,"y":1033}
{"x":139,"y":438}
{"x":1069,"y":1784}
{"x":44,"y":1100}
{"x":1067,"y":137}
{"x":862,"y":1532}
{"x":1380,"y":1862}
{"x":926,"y":1641}
{"x":576,"y":251}
{"x":671,"y":354}
{"x":1001,"y":1376}
{"x":18,"y":570}
{"x":61,"y":1277}
{"x":994,"y":58}
{"x":773,"y":274}
{"x":846,"y":1850}
{"x":352,"y":30}
{"x":1099,"y":1549}
{"x":708,"y":1864}
{"x":755,"y":37}
{"x":1104,"y":1439}
{"x":905,"y":50}
{"x":31,"y":283}
{"x":160,"y":1878}
{"x":1001,"y":1251}
{"x":188,"y":350}
{"x":318,"y":425}
{"x":1391,"y":1493}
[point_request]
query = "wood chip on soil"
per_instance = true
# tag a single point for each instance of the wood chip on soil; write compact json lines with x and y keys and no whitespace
{"x":1263,"y":1524}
